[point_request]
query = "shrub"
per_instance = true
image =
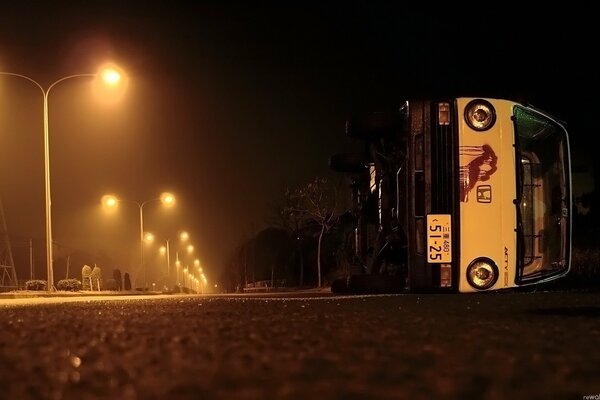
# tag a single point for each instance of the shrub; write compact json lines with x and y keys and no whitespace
{"x":36,"y":284}
{"x":127,"y":283}
{"x":111,"y":284}
{"x":69,"y":285}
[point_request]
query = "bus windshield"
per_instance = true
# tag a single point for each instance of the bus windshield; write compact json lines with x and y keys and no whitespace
{"x":544,"y":234}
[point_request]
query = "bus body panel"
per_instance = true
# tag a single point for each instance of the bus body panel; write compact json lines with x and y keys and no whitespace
{"x":488,"y":190}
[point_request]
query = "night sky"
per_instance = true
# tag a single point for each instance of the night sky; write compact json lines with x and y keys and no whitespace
{"x":229,"y":103}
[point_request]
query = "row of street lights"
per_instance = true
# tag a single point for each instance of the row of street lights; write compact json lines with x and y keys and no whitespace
{"x":110,"y":202}
{"x":165,"y":250}
{"x":111,"y":76}
{"x":187,"y":272}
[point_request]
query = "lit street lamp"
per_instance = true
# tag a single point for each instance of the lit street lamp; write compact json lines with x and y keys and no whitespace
{"x":177,"y":266}
{"x":167,"y":199}
{"x":111,"y":77}
{"x":166,"y":250}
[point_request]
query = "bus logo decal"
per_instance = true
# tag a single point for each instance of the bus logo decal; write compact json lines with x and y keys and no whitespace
{"x":484,"y":194}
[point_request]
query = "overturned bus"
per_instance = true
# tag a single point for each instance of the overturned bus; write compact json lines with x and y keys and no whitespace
{"x":457,"y":195}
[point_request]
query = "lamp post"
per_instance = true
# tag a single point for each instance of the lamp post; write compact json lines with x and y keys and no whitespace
{"x":109,"y":75}
{"x":166,"y":250}
{"x":166,"y":199}
{"x":177,"y":265}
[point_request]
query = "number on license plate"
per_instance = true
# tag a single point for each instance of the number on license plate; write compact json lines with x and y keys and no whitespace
{"x":439,"y":243}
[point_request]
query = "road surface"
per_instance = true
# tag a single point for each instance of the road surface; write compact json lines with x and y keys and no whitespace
{"x":482,"y":346}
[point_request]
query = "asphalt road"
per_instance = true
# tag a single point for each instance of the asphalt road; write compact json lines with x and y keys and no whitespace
{"x":482,"y":346}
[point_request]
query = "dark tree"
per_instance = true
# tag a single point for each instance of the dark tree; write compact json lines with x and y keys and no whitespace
{"x":118,"y":279}
{"x":314,"y":203}
{"x":127,"y":283}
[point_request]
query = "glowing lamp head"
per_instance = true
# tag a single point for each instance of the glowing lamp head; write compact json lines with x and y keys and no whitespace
{"x":110,"y":76}
{"x":109,"y":201}
{"x":167,"y":199}
{"x":148,"y":237}
{"x":190,"y":249}
{"x":184,"y":236}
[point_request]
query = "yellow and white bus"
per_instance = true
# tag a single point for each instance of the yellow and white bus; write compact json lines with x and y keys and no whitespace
{"x":458,"y":195}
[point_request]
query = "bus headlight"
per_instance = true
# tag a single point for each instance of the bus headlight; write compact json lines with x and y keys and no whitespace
{"x":480,"y":115}
{"x":482,"y":273}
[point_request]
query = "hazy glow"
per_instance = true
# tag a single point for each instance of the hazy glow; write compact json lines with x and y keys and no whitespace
{"x":167,"y":199}
{"x":190,"y":249}
{"x":197,"y":263}
{"x":183,"y":236}
{"x":110,"y":201}
{"x":162,"y":250}
{"x":149,"y":237}
{"x":111,"y":85}
{"x":110,"y":76}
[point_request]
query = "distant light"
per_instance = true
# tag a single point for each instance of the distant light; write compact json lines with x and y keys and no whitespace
{"x":162,"y":250}
{"x":149,"y":237}
{"x":190,"y":249}
{"x":184,"y":236}
{"x":197,"y":263}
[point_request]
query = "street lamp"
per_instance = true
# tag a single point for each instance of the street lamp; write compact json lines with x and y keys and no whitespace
{"x":167,"y":199}
{"x":177,"y":266}
{"x":111,"y":77}
{"x":166,"y":250}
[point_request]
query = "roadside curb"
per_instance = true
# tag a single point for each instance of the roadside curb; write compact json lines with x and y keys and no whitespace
{"x":32,"y":295}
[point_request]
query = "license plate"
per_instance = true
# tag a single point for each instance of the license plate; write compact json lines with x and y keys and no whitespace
{"x":439,"y":248}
